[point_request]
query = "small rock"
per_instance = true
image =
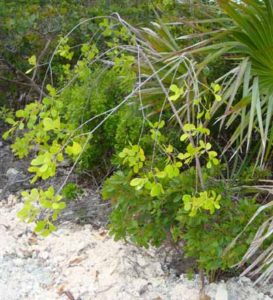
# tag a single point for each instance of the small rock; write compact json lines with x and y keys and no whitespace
{"x":245,"y":281}
{"x":30,"y":268}
{"x":141,"y":261}
{"x":18,"y":262}
{"x":65,"y":163}
{"x":20,"y":253}
{"x":11,"y":200}
{"x":44,"y":255}
{"x":12,"y":174}
{"x":88,"y":227}
{"x":205,"y":297}
{"x":76,"y":261}
{"x":144,"y":289}
{"x":221,"y":293}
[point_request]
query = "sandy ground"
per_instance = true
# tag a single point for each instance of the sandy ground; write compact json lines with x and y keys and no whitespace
{"x":79,"y":262}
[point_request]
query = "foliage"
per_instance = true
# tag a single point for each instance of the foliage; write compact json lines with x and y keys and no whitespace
{"x":71,"y":191}
{"x":39,"y":202}
{"x":61,"y":125}
{"x":33,"y":29}
{"x":51,"y":138}
{"x":252,"y":39}
{"x":208,"y":236}
{"x":259,"y":252}
{"x":155,"y":206}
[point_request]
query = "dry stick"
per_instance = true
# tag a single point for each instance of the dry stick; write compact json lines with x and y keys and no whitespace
{"x":42,"y":54}
{"x":23,"y":75}
{"x":197,"y":161}
{"x":203,"y":296}
{"x":140,"y":95}
{"x":15,"y":81}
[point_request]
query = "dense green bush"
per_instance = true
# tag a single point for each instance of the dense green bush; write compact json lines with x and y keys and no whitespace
{"x":145,"y":220}
{"x":155,"y":201}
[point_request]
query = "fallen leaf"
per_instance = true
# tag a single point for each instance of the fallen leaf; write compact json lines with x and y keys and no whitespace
{"x":61,"y":289}
{"x":32,"y":241}
{"x":102,"y":232}
{"x":76,"y":261}
{"x":69,"y":295}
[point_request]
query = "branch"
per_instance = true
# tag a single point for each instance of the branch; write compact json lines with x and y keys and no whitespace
{"x":197,"y":160}
{"x":23,"y":76}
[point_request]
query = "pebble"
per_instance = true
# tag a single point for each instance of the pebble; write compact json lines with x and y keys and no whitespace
{"x":44,"y":255}
{"x":221,"y":293}
{"x":12,"y":174}
{"x":12,"y":200}
{"x":18,"y":262}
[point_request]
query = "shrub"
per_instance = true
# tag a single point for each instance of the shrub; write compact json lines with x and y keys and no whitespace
{"x":71,"y":191}
{"x":156,"y":202}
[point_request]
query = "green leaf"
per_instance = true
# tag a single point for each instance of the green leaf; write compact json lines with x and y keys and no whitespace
{"x":161,"y":174}
{"x":74,"y":150}
{"x":21,"y":126}
{"x":62,"y":205}
{"x":20,"y":113}
{"x":55,"y":206}
{"x":218,"y":98}
{"x":156,"y":190}
{"x":10,"y":121}
{"x":200,"y":115}
{"x":177,"y":92}
{"x":171,"y":171}
{"x":189,"y":127}
{"x":203,"y":130}
{"x":40,"y":226}
{"x":138,"y":183}
{"x":183,"y":156}
{"x":43,"y":168}
{"x":208,"y":146}
{"x":212,"y":154}
{"x":184,"y":137}
{"x":48,"y":124}
{"x":32,"y":60}
{"x":6,"y":135}
{"x":39,"y":160}
{"x":187,"y":202}
{"x":209,"y":165}
{"x":51,"y":90}
{"x":169,"y":149}
{"x":216,"y":87}
{"x":207,"y":115}
{"x":29,"y":70}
